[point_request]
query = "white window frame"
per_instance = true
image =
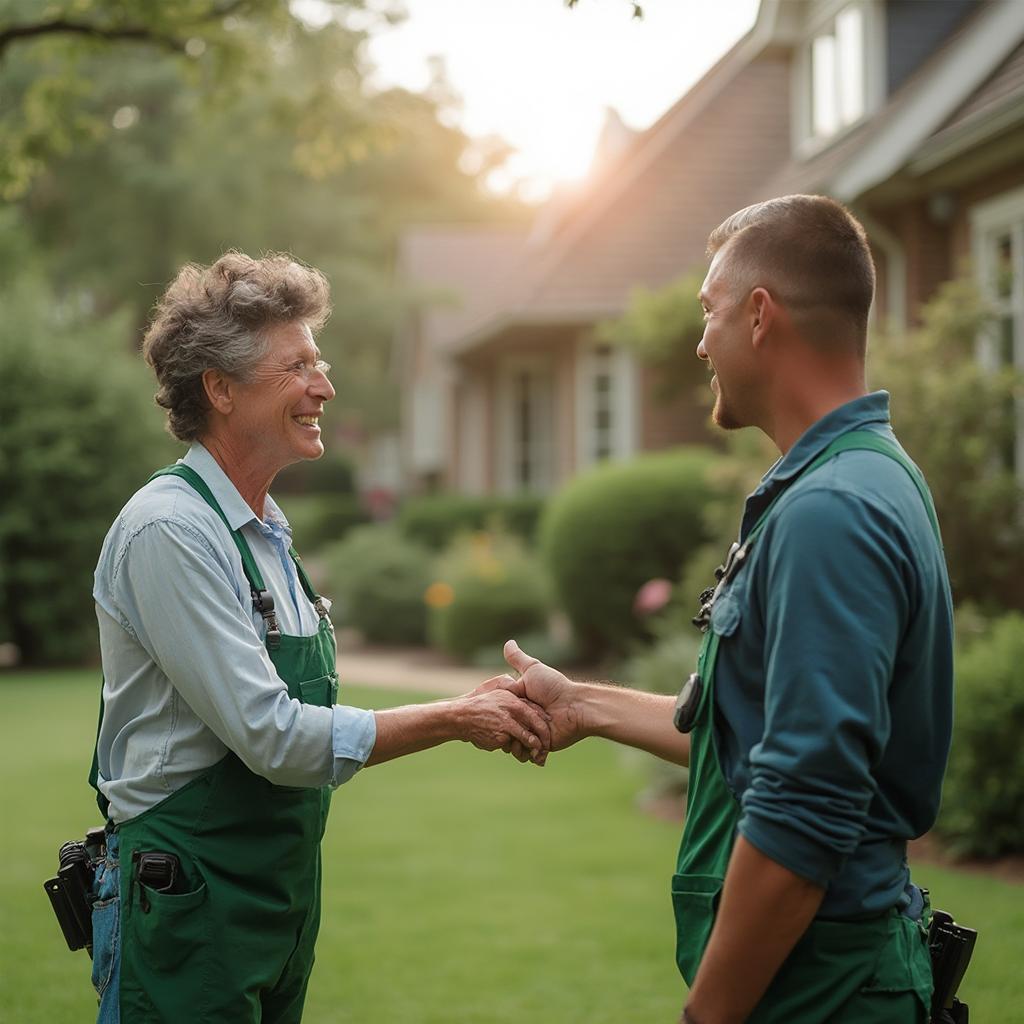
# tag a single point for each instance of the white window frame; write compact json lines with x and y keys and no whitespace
{"x":623,"y":402}
{"x":999,"y":216}
{"x":543,"y":428}
{"x":822,"y":22}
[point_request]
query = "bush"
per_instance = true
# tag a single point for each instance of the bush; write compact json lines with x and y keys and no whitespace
{"x":488,"y":589}
{"x":436,"y":519}
{"x":80,"y":434}
{"x":613,"y":529}
{"x":331,"y":474}
{"x":966,"y":452}
{"x":380,"y":580}
{"x":318,"y":520}
{"x":983,"y":794}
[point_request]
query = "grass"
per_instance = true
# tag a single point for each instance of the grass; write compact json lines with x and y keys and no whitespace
{"x":459,"y":886}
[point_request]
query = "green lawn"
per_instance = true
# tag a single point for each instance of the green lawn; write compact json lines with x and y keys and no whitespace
{"x":459,"y":886}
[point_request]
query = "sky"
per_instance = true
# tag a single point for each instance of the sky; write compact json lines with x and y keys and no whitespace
{"x":541,"y":76}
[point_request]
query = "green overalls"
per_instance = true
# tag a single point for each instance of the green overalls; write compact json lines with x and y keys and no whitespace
{"x":234,"y":941}
{"x":871,"y":971}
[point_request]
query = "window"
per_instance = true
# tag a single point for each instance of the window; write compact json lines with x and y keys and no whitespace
{"x":527,"y":426}
{"x":838,"y":79}
{"x":605,"y":405}
{"x":999,"y":254}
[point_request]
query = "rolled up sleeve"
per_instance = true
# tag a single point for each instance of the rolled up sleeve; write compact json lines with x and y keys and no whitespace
{"x":353,"y":733}
{"x":835,"y":607}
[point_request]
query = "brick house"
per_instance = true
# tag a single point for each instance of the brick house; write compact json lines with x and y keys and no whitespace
{"x":909,"y":111}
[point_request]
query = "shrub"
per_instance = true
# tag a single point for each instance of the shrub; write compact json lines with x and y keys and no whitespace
{"x":435,"y":519}
{"x":613,"y":529}
{"x":318,"y":520}
{"x":331,"y":474}
{"x":380,"y":580}
{"x":983,"y":794}
{"x":80,"y":434}
{"x":488,"y":589}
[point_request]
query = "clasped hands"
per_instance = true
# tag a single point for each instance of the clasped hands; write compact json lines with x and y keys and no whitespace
{"x":526,"y":716}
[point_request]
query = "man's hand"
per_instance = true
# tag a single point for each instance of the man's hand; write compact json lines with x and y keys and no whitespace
{"x":494,"y":717}
{"x":548,"y":688}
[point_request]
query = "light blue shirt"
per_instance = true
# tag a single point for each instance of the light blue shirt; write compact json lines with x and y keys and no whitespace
{"x":187,"y":677}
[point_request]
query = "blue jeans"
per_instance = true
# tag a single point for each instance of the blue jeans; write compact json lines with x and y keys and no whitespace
{"x":106,"y":934}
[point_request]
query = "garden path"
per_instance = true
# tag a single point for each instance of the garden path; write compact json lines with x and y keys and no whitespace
{"x":407,"y":668}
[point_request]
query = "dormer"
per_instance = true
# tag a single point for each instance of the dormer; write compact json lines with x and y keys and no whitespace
{"x":839,"y":71}
{"x":850,"y":56}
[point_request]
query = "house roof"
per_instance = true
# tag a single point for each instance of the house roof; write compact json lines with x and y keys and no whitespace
{"x":647,"y":211}
{"x":461,"y":273}
{"x":995,"y":107}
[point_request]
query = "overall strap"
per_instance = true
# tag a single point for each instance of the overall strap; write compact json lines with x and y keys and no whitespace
{"x":191,"y":477}
{"x":866,"y":440}
{"x":861,"y":440}
{"x":307,"y":585}
{"x":262,"y":599}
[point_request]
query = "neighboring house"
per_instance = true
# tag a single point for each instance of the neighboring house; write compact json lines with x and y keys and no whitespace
{"x":909,"y":111}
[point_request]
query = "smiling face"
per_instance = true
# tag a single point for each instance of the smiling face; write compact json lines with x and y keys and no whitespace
{"x":726,"y":344}
{"x":277,"y":410}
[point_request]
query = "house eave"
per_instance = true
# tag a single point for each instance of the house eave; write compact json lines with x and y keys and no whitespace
{"x":528,"y":319}
{"x":990,"y":40}
{"x":950,"y":144}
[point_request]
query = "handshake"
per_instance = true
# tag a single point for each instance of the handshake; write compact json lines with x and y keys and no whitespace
{"x":528,"y":716}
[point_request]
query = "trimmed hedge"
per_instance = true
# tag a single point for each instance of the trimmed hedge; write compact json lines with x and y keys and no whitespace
{"x":983,"y":794}
{"x":332,"y":473}
{"x":488,"y":590}
{"x":318,"y":520}
{"x":618,"y":526}
{"x":380,"y":580}
{"x":436,"y":519}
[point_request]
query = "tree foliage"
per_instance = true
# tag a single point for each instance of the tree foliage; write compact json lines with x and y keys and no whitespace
{"x":957,"y":420}
{"x":80,"y":434}
{"x":260,"y":135}
{"x":663,"y":326}
{"x":136,"y":136}
{"x":955,"y":417}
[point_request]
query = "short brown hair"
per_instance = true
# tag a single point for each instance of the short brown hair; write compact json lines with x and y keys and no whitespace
{"x":214,"y":317}
{"x":811,"y":252}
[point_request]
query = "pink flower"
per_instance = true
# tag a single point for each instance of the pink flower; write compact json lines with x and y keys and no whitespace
{"x":652,"y":597}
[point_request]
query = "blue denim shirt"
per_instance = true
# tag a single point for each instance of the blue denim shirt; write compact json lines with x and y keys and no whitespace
{"x":834,"y":679}
{"x":186,"y":674}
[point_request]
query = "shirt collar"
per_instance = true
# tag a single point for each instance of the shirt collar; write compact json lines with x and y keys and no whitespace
{"x":862,"y":412}
{"x":867,"y":409}
{"x":232,"y":504}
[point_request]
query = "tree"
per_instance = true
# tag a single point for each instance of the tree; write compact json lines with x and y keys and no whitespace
{"x":289,"y":152}
{"x":48,"y":53}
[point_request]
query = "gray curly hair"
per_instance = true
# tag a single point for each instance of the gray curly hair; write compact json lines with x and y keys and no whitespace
{"x":215,"y":317}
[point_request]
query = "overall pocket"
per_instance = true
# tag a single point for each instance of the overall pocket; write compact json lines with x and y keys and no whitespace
{"x":319,"y":692}
{"x":695,"y":902}
{"x":173,"y":929}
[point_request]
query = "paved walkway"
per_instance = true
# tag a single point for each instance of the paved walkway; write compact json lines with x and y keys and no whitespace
{"x":419,"y":669}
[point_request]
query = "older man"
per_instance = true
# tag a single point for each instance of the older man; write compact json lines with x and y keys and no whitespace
{"x":817,"y":725}
{"x":220,"y":738}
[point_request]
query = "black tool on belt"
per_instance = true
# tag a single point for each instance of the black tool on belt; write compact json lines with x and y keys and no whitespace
{"x":951,"y":946}
{"x":71,"y":889}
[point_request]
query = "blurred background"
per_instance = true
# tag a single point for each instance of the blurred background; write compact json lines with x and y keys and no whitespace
{"x":510,"y":199}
